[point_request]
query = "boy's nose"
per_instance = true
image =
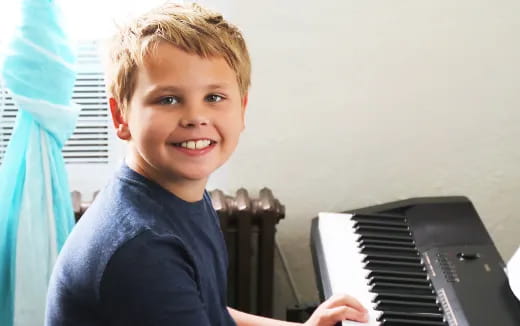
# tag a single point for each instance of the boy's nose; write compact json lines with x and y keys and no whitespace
{"x":194,"y":115}
{"x":192,"y":122}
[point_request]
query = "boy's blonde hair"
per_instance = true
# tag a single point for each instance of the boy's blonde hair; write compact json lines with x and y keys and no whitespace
{"x":191,"y":28}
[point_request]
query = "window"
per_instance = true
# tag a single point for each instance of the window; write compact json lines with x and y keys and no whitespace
{"x":90,"y":141}
{"x":92,"y":152}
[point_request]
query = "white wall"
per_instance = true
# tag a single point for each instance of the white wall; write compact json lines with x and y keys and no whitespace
{"x":356,"y":103}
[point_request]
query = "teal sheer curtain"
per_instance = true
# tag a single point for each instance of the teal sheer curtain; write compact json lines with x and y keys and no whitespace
{"x":35,"y":206}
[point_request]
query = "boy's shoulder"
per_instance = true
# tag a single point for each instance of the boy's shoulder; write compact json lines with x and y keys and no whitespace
{"x":128,"y":215}
{"x":129,"y":205}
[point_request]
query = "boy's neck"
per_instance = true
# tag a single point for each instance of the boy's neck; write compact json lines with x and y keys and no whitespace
{"x":187,"y":190}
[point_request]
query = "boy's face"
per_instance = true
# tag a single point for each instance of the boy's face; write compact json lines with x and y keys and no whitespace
{"x":184,"y":118}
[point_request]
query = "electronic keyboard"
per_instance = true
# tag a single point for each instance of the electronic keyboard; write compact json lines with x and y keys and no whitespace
{"x":422,"y":261}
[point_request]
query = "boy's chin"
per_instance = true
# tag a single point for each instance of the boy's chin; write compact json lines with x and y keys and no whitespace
{"x":201,"y":175}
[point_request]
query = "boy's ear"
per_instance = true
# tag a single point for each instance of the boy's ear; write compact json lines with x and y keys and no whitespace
{"x":118,"y":119}
{"x":245,"y":99}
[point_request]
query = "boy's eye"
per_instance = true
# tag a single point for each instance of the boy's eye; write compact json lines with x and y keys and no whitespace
{"x":214,"y":98}
{"x":168,"y":100}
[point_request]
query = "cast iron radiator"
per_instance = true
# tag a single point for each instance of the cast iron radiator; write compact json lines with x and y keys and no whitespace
{"x":249,"y":227}
{"x":79,"y":206}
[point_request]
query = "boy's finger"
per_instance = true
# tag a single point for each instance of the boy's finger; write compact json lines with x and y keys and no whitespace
{"x":357,"y":315}
{"x":345,"y":313}
{"x":335,"y":314}
{"x":345,"y":300}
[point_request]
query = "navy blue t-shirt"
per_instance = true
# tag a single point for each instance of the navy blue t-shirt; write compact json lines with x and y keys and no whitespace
{"x":141,"y":256}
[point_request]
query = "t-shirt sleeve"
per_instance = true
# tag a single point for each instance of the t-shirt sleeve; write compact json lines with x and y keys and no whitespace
{"x":150,"y":280}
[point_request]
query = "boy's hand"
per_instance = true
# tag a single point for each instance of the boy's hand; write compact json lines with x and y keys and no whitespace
{"x":336,"y":309}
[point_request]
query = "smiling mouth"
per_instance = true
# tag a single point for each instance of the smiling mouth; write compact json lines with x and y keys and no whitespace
{"x":195,"y":144}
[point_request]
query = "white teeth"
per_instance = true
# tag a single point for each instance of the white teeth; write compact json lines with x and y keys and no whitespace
{"x":202,"y":143}
{"x":196,"y":144}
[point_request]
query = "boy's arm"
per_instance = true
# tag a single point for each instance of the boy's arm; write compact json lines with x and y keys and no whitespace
{"x":245,"y":319}
{"x":330,"y":312}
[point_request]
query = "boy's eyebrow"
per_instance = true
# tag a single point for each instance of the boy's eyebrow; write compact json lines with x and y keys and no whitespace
{"x":176,"y":89}
{"x":163,"y":89}
{"x":217,"y":86}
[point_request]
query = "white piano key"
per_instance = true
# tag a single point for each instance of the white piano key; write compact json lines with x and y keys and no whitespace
{"x":344,"y":262}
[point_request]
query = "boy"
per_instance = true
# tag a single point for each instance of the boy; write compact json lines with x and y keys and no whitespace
{"x":149,"y":251}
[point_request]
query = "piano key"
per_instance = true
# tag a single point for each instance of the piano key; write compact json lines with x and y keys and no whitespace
{"x":378,"y":217}
{"x":390,"y":266}
{"x":383,"y":229}
{"x":382,"y":236}
{"x":381,"y":271}
{"x":405,"y":280}
{"x":407,"y":296}
{"x":406,"y":244}
{"x":409,"y":322}
{"x":370,"y":255}
{"x":400,"y":224}
{"x":407,"y":307}
{"x":395,"y":287}
{"x":388,"y":248}
{"x":346,"y":275}
{"x":385,"y":262}
{"x":401,"y":288}
{"x":407,"y":315}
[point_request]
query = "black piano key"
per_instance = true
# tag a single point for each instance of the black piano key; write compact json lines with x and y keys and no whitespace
{"x":378,"y":217}
{"x":396,"y":290}
{"x":417,"y":317}
{"x":383,"y":272}
{"x":396,"y":269}
{"x":409,"y":308}
{"x":383,"y":284}
{"x":403,"y":305}
{"x":370,"y":255}
{"x":398,"y":259}
{"x":410,"y":322}
{"x":398,"y":280}
{"x":381,"y":236}
{"x":391,"y":257}
{"x":430,"y":298}
{"x":424,"y":316}
{"x":370,"y":247}
{"x":398,"y":224}
{"x":395,"y":243}
{"x":389,"y":287}
{"x":387,"y":230}
{"x":374,"y":263}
